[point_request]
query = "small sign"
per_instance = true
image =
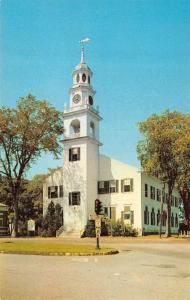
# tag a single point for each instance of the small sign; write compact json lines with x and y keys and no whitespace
{"x":97,"y":232}
{"x":31,"y":225}
{"x":98,"y":222}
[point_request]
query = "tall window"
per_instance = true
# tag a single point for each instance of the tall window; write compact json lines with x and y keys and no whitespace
{"x":152,"y":192}
{"x":52,"y":192}
{"x":176,"y":220}
{"x":103,"y":187}
{"x":75,"y":128}
{"x":158,"y":195}
{"x":158,"y":217}
{"x":113,"y":186}
{"x":74,"y":198}
{"x":74,"y":154}
{"x":127,"y":185}
{"x":172,"y":220}
{"x":146,"y":216}
{"x":176,"y":202}
{"x":146,"y":190}
{"x":92,"y":129}
{"x":152,"y":217}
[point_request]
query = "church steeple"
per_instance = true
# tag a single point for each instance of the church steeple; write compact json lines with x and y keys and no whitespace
{"x":81,"y":93}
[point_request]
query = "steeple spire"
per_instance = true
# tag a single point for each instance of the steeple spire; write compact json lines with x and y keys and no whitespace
{"x":82,"y":55}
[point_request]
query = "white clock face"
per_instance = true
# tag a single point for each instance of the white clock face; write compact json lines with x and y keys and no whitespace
{"x":76,"y":99}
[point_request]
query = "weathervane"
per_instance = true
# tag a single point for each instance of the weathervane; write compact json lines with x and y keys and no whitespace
{"x":82,"y":41}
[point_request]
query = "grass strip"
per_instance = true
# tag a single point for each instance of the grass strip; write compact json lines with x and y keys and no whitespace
{"x":51,"y":249}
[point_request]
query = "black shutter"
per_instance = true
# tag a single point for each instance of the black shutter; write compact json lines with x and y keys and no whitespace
{"x":78,"y":154}
{"x":70,"y":154}
{"x":131,"y":184}
{"x":49,"y":194}
{"x":117,"y":186}
{"x":70,"y":198}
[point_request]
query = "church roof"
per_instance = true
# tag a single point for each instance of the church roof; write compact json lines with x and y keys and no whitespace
{"x":82,"y":67}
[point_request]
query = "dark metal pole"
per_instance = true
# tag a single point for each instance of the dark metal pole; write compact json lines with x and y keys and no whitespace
{"x":97,"y":243}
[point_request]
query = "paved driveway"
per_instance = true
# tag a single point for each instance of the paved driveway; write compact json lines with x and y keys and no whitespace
{"x":142,"y":271}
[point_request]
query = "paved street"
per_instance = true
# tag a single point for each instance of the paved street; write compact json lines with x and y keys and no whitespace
{"x":142,"y":270}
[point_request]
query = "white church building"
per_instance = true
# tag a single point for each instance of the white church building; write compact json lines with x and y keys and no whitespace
{"x":125,"y":192}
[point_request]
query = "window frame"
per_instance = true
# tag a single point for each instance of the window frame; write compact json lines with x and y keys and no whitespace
{"x":126,"y":188}
{"x":146,"y":190}
{"x":74,"y":201}
{"x":152,"y":192}
{"x":74,"y":156}
{"x":53,"y":194}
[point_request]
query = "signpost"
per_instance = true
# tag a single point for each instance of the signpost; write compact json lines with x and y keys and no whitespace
{"x":31,"y":227}
{"x":98,"y":230}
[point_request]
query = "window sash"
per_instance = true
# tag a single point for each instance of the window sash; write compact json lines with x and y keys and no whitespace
{"x":74,"y":198}
{"x":127,"y":185}
{"x":74,"y":154}
{"x":152,"y":192}
{"x":52,"y":192}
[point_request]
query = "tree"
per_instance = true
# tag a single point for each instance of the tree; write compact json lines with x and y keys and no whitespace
{"x":164,"y":152}
{"x":52,"y":220}
{"x":28,"y":130}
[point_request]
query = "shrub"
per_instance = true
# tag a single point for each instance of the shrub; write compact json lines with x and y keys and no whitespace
{"x":117,"y":228}
{"x":52,"y":220}
{"x":90,"y":229}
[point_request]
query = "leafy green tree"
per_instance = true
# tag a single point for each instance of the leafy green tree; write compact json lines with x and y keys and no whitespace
{"x":28,"y":130}
{"x":165,"y":150}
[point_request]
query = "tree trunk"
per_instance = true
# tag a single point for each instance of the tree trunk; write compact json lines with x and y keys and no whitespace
{"x":168,"y":221}
{"x":161,"y":210}
{"x":15,"y":228}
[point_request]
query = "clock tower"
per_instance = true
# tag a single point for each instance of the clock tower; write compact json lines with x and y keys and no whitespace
{"x":81,"y":150}
{"x":81,"y":92}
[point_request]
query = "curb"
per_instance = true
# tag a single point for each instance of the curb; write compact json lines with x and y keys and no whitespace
{"x":112,"y":252}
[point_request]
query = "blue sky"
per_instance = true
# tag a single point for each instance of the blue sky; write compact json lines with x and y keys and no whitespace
{"x":139,"y":53}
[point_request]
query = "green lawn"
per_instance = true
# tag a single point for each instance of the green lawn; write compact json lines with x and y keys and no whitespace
{"x":48,"y":248}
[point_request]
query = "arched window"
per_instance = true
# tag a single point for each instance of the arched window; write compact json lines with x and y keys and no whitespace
{"x":176,"y":220}
{"x":152,"y":217}
{"x":77,"y":78}
{"x":83,"y":77}
{"x":75,"y":128}
{"x":172,"y":220}
{"x":92,"y":129}
{"x":146,"y":216}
